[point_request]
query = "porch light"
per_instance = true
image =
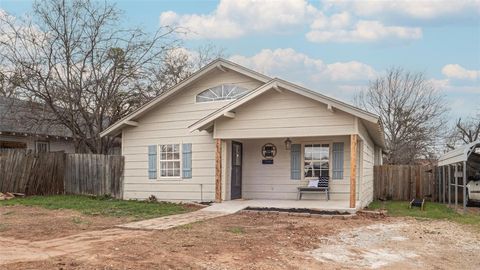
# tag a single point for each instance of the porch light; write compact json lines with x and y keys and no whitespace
{"x":288,"y":144}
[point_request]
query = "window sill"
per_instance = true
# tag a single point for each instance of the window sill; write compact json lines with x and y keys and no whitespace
{"x":169,"y":179}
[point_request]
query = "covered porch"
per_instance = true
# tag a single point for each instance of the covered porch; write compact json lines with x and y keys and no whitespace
{"x":260,"y":172}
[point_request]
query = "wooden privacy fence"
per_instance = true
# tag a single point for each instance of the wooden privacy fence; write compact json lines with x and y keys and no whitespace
{"x":59,"y":173}
{"x":405,"y":182}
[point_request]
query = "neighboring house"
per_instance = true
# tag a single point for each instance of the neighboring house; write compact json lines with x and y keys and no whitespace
{"x":228,"y":132}
{"x":25,"y":125}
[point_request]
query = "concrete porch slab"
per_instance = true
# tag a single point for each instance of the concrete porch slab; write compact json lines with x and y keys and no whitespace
{"x":237,"y":205}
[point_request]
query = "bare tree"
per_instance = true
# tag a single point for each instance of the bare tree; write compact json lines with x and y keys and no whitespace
{"x":74,"y":57}
{"x":464,"y":132}
{"x":411,"y":112}
{"x":9,"y":80}
{"x":179,"y":64}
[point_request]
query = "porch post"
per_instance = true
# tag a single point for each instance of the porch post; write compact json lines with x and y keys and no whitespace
{"x":218,"y":170}
{"x":455,"y":174}
{"x":464,"y":186}
{"x":353,"y":169}
{"x":449,"y":168}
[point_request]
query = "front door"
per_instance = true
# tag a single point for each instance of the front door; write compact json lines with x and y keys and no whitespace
{"x":236,"y":181}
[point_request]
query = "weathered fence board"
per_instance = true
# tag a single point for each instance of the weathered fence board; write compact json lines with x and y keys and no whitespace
{"x":58,"y":173}
{"x":94,"y":174}
{"x":405,"y":182}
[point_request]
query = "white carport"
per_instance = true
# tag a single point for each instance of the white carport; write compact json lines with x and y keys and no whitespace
{"x":454,"y":165}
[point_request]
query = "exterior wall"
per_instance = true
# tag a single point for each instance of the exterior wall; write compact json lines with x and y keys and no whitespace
{"x":273,"y":181}
{"x":168,"y":123}
{"x":367,"y":156}
{"x":378,"y":156}
{"x":281,"y":115}
{"x":55,"y":145}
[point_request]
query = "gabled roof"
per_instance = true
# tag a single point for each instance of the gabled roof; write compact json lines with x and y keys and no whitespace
{"x":372,"y":121}
{"x":220,"y":63}
{"x":279,"y":83}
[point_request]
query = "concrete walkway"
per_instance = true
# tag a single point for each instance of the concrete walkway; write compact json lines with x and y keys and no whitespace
{"x":168,"y":222}
{"x":231,"y":207}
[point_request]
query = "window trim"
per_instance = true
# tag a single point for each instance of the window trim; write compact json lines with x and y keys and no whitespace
{"x":329,"y":159}
{"x":42,"y":142}
{"x":221,"y":100}
{"x":180,"y":154}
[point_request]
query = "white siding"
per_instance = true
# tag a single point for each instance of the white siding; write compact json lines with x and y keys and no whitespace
{"x":168,"y":123}
{"x":273,"y":181}
{"x":281,"y":115}
{"x":367,"y":156}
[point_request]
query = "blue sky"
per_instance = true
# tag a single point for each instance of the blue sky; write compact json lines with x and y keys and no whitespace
{"x":331,"y":46}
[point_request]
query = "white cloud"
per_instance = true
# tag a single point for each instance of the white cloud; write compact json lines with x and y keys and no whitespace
{"x":418,"y":9}
{"x":447,"y":86}
{"x":339,"y":79}
{"x":456,"y":71}
{"x":362,"y":31}
{"x":349,"y":71}
{"x":336,"y":21}
{"x":310,"y":72}
{"x":232,"y":19}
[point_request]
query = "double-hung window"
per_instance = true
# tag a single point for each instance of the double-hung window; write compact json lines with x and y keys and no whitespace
{"x":316,"y":160}
{"x":170,"y":160}
{"x":42,"y":147}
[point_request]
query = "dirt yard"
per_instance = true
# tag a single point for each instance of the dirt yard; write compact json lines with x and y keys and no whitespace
{"x":36,"y":223}
{"x":52,"y":240}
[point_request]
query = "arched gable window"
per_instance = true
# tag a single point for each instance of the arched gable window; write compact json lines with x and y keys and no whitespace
{"x":221,"y":92}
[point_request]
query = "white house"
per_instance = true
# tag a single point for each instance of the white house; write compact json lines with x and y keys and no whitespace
{"x":228,"y":132}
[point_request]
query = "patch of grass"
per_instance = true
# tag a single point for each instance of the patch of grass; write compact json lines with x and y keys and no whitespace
{"x":3,"y":227}
{"x":237,"y":230}
{"x":186,"y":226}
{"x":432,"y":211}
{"x":79,"y":220}
{"x":189,"y":226}
{"x":103,"y":206}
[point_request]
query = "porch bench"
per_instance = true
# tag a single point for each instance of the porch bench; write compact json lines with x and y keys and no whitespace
{"x":321,"y":188}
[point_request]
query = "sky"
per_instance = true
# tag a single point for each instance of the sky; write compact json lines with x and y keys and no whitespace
{"x":330,"y":46}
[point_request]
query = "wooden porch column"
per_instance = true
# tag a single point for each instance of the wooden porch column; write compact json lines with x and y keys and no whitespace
{"x":353,"y":169}
{"x":218,"y":170}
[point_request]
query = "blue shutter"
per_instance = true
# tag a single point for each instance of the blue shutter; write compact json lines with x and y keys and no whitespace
{"x":187,"y":160}
{"x":152,"y":162}
{"x":337,"y":162}
{"x":295,"y":161}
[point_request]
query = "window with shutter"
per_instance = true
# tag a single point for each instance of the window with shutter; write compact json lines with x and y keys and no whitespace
{"x":170,"y":160}
{"x":317,"y":160}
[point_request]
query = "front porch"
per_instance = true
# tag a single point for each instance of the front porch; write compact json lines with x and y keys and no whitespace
{"x":246,"y":178}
